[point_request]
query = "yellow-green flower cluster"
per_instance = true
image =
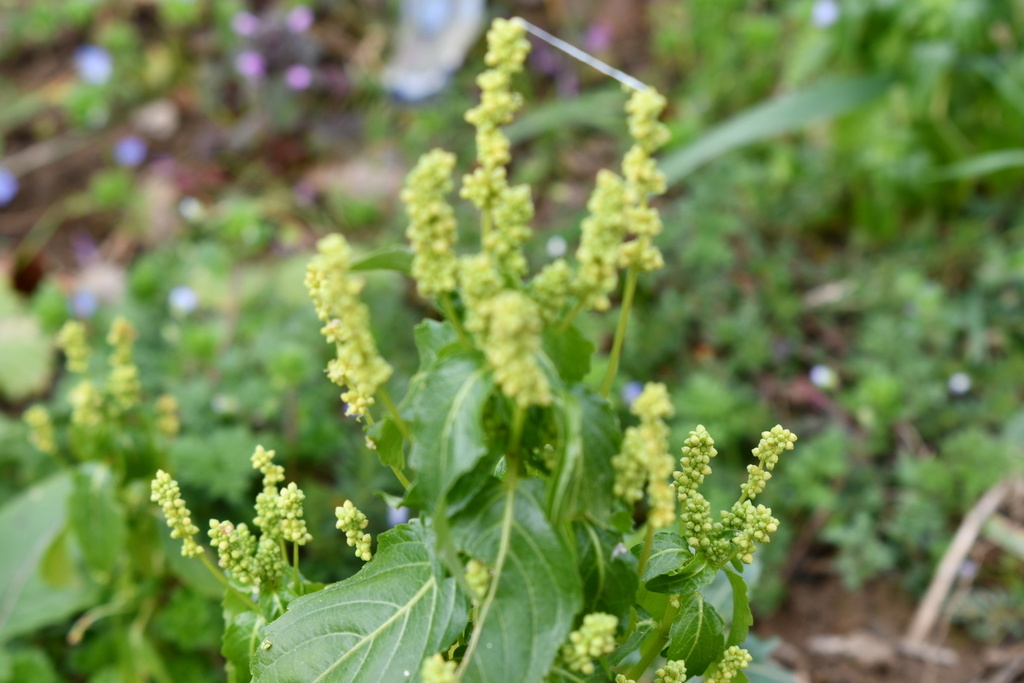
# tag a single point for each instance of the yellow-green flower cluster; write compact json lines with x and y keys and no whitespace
{"x":698,"y":527}
{"x":335,"y":294}
{"x":41,"y":431}
{"x":71,"y":340}
{"x":278,"y":511}
{"x":752,"y":525}
{"x":767,"y":452}
{"x":353,"y":522}
{"x":250,"y":562}
{"x":123,"y":385}
{"x":550,"y":288}
{"x":86,"y":405}
{"x":644,"y":459}
{"x":167,"y":421}
{"x":620,"y":678}
{"x":437,"y":669}
{"x":674,"y":671}
{"x":733,"y":660}
{"x":507,"y":210}
{"x":512,"y":338}
{"x":166,"y":492}
{"x":432,"y":228}
{"x":601,"y":234}
{"x":642,"y":180}
{"x":594,"y":638}
{"x":478,"y":576}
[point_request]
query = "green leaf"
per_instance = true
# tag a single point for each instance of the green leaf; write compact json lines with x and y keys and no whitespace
{"x":397,"y":258}
{"x":600,"y":109}
{"x":448,"y":436}
{"x":742,"y":619}
{"x":570,"y":351}
{"x":694,"y":575}
{"x":696,"y":634}
{"x":431,"y":336}
{"x":643,"y":624}
{"x":774,"y":117}
{"x":669,"y":552}
{"x":29,"y":524}
{"x":98,"y":522}
{"x":608,"y":572}
{"x":536,"y":588}
{"x":377,"y":625}
{"x":583,"y":478}
{"x":982,"y":164}
{"x":243,"y":633}
{"x":387,"y":439}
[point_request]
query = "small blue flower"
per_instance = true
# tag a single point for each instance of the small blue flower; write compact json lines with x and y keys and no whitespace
{"x":825,"y":13}
{"x":631,"y":391}
{"x":183,"y":300}
{"x":94,"y":64}
{"x":8,"y":186}
{"x":823,"y":377}
{"x":83,"y":304}
{"x":130,"y":151}
{"x":398,"y":516}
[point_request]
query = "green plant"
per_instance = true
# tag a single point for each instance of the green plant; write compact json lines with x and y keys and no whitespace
{"x":547,"y":543}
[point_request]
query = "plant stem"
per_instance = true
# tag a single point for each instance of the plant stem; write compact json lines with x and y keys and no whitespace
{"x":654,"y":643}
{"x":449,"y":312}
{"x":402,"y":479}
{"x":219,"y":575}
{"x":567,"y":323}
{"x":620,"y":332}
{"x":645,"y":553}
{"x":295,"y":568}
{"x":385,"y":398}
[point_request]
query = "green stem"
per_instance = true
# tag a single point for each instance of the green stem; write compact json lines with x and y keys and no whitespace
{"x":385,"y":398}
{"x":645,"y":553}
{"x":517,"y":429}
{"x":567,"y":323}
{"x":620,"y":332}
{"x":295,"y":568}
{"x":449,"y":311}
{"x":654,"y":643}
{"x":402,"y":479}
{"x":219,"y":575}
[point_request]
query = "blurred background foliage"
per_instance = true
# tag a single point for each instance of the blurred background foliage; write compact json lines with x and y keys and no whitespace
{"x":844,"y":235}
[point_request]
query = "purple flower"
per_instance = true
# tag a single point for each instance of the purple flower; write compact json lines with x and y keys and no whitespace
{"x":130,"y":151}
{"x":825,"y":13}
{"x":599,"y":37}
{"x":299,"y":19}
{"x":93,"y":64}
{"x":83,"y":304}
{"x":245,"y":24}
{"x":631,"y":391}
{"x":298,"y":77}
{"x":250,"y":64}
{"x":183,"y":300}
{"x":8,"y":186}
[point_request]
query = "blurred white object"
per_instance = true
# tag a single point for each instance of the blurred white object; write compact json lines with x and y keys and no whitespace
{"x":431,"y":43}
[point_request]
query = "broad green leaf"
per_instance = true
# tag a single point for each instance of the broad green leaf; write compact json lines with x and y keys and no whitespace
{"x":694,"y":575}
{"x":570,"y":351}
{"x":643,"y":623}
{"x":775,"y":117}
{"x":375,"y":626}
{"x":669,"y":552}
{"x":590,"y":438}
{"x":696,"y":634}
{"x":431,"y":336}
{"x":98,"y":522}
{"x":57,"y":568}
{"x":982,"y":164}
{"x":742,"y":619}
{"x":397,"y":258}
{"x":608,"y":572}
{"x":600,"y":109}
{"x":536,"y":588}
{"x":448,"y":437}
{"x":29,"y":524}
{"x":387,"y":441}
